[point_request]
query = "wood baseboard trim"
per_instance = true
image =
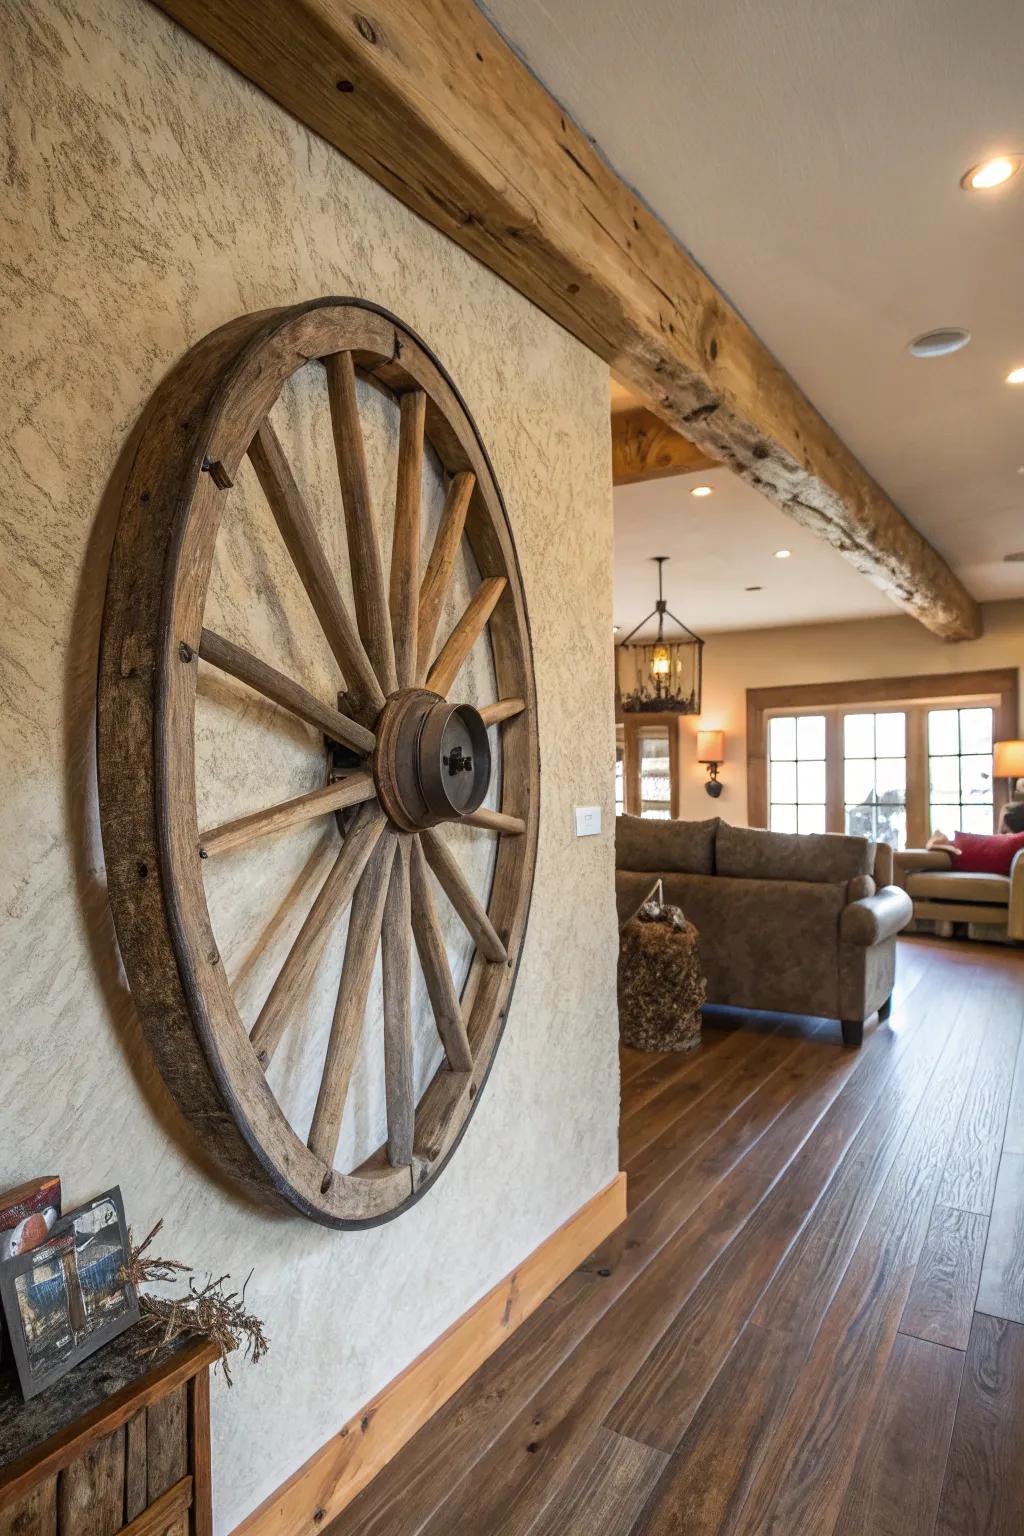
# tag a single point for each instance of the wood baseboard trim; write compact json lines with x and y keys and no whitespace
{"x":333,"y":1475}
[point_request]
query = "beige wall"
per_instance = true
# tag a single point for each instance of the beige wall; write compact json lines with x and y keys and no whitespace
{"x":151,"y":195}
{"x":819,"y":653}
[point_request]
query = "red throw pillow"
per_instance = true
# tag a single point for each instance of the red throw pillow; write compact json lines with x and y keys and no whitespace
{"x":987,"y":855}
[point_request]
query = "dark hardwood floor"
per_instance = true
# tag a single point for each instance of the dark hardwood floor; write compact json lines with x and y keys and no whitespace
{"x":812,"y":1322}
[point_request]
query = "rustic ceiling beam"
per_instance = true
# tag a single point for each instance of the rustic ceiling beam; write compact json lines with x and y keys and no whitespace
{"x":645,"y":448}
{"x":429,"y":100}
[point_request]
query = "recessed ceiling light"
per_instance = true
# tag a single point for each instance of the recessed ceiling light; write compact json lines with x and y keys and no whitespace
{"x":1015,"y":376}
{"x":783,"y":554}
{"x":703,"y":490}
{"x":939,"y":343}
{"x":990,"y":173}
{"x":616,"y":628}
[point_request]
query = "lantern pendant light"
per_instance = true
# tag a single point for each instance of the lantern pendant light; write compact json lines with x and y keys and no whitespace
{"x":662,"y":675}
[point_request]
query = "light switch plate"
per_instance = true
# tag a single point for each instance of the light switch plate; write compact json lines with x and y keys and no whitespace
{"x":588,"y":820}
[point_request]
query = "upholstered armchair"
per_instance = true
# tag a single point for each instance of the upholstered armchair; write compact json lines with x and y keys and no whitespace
{"x":991,"y":905}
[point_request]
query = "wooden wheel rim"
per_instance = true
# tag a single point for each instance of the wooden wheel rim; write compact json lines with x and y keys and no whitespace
{"x":198,"y":428}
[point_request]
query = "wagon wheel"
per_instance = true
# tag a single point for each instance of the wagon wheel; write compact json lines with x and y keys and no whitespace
{"x":408,"y":755}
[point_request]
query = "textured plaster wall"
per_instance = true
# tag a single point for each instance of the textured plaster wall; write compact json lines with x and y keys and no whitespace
{"x":149,"y":195}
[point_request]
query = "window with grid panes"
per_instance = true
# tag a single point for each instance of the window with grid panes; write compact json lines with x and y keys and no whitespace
{"x":796,"y":773}
{"x":875,"y":776}
{"x":960,"y":784}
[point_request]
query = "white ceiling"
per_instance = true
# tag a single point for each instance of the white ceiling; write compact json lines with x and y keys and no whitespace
{"x":809,"y":156}
{"x":719,"y":545}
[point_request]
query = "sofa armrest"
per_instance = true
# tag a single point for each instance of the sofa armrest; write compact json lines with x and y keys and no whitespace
{"x":876,"y":918}
{"x":909,"y":861}
{"x":882,"y":873}
{"x":1015,"y":914}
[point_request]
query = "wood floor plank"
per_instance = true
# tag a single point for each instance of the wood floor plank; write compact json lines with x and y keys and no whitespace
{"x":973,"y":1162}
{"x":662,"y":1074}
{"x":983,"y":1492}
{"x":507,"y":1488}
{"x":655,"y":1116}
{"x":724,"y":1095}
{"x":897,"y":1479}
{"x":561,"y":1417}
{"x":1001,"y":1293}
{"x":782,"y":1421}
{"x":855,"y":1147}
{"x":941,"y":1301}
{"x":799,"y":1293}
{"x":632,"y":1062}
{"x":708,"y":1476}
{"x":733,"y":1118}
{"x":1014,"y":1138}
{"x":802,"y":1481}
{"x":606,"y":1490}
{"x":715,"y":1189}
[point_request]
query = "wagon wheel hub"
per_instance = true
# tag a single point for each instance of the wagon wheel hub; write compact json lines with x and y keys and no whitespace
{"x":432,"y":760}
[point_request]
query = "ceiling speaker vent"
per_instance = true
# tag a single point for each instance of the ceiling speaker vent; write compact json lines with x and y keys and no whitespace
{"x":948,"y":338}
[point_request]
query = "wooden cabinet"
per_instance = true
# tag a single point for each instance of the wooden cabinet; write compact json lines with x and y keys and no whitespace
{"x":119,"y":1445}
{"x":652,"y":747}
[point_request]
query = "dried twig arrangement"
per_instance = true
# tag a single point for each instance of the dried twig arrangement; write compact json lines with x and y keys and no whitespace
{"x":208,"y":1309}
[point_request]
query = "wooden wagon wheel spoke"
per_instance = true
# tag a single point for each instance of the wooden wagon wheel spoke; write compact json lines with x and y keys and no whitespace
{"x":495,"y":821}
{"x":274,"y":685}
{"x":405,"y":547}
{"x":364,"y":928}
{"x":437,"y":577}
{"x":396,"y":967}
{"x":444,"y":1000}
{"x":298,"y":532}
{"x":304,"y":956}
{"x":353,"y":789}
{"x":459,"y":892}
{"x":465,"y":635}
{"x":505,"y":709}
{"x":363,"y":549}
{"x":402,"y":758}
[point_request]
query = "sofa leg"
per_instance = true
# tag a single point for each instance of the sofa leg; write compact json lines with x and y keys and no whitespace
{"x":853,"y":1032}
{"x":885,"y":1010}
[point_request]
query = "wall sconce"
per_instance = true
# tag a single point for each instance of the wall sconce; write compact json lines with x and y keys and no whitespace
{"x":711,"y":751}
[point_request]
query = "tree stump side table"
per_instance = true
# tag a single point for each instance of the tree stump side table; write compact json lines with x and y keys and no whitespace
{"x":119,"y":1445}
{"x":661,"y":986}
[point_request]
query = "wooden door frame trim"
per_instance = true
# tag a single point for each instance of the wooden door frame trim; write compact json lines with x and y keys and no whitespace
{"x":427,"y":98}
{"x":999,"y":682}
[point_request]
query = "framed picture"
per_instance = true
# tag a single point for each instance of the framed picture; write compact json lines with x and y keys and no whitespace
{"x":66,"y":1298}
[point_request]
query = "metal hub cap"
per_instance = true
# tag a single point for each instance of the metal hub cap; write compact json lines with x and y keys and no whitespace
{"x":432,"y":761}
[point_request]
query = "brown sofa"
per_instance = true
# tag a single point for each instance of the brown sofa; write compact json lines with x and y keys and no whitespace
{"x":788,"y":923}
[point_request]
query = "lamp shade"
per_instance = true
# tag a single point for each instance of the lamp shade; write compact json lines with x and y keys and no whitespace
{"x":711,"y":747}
{"x":1008,"y":759}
